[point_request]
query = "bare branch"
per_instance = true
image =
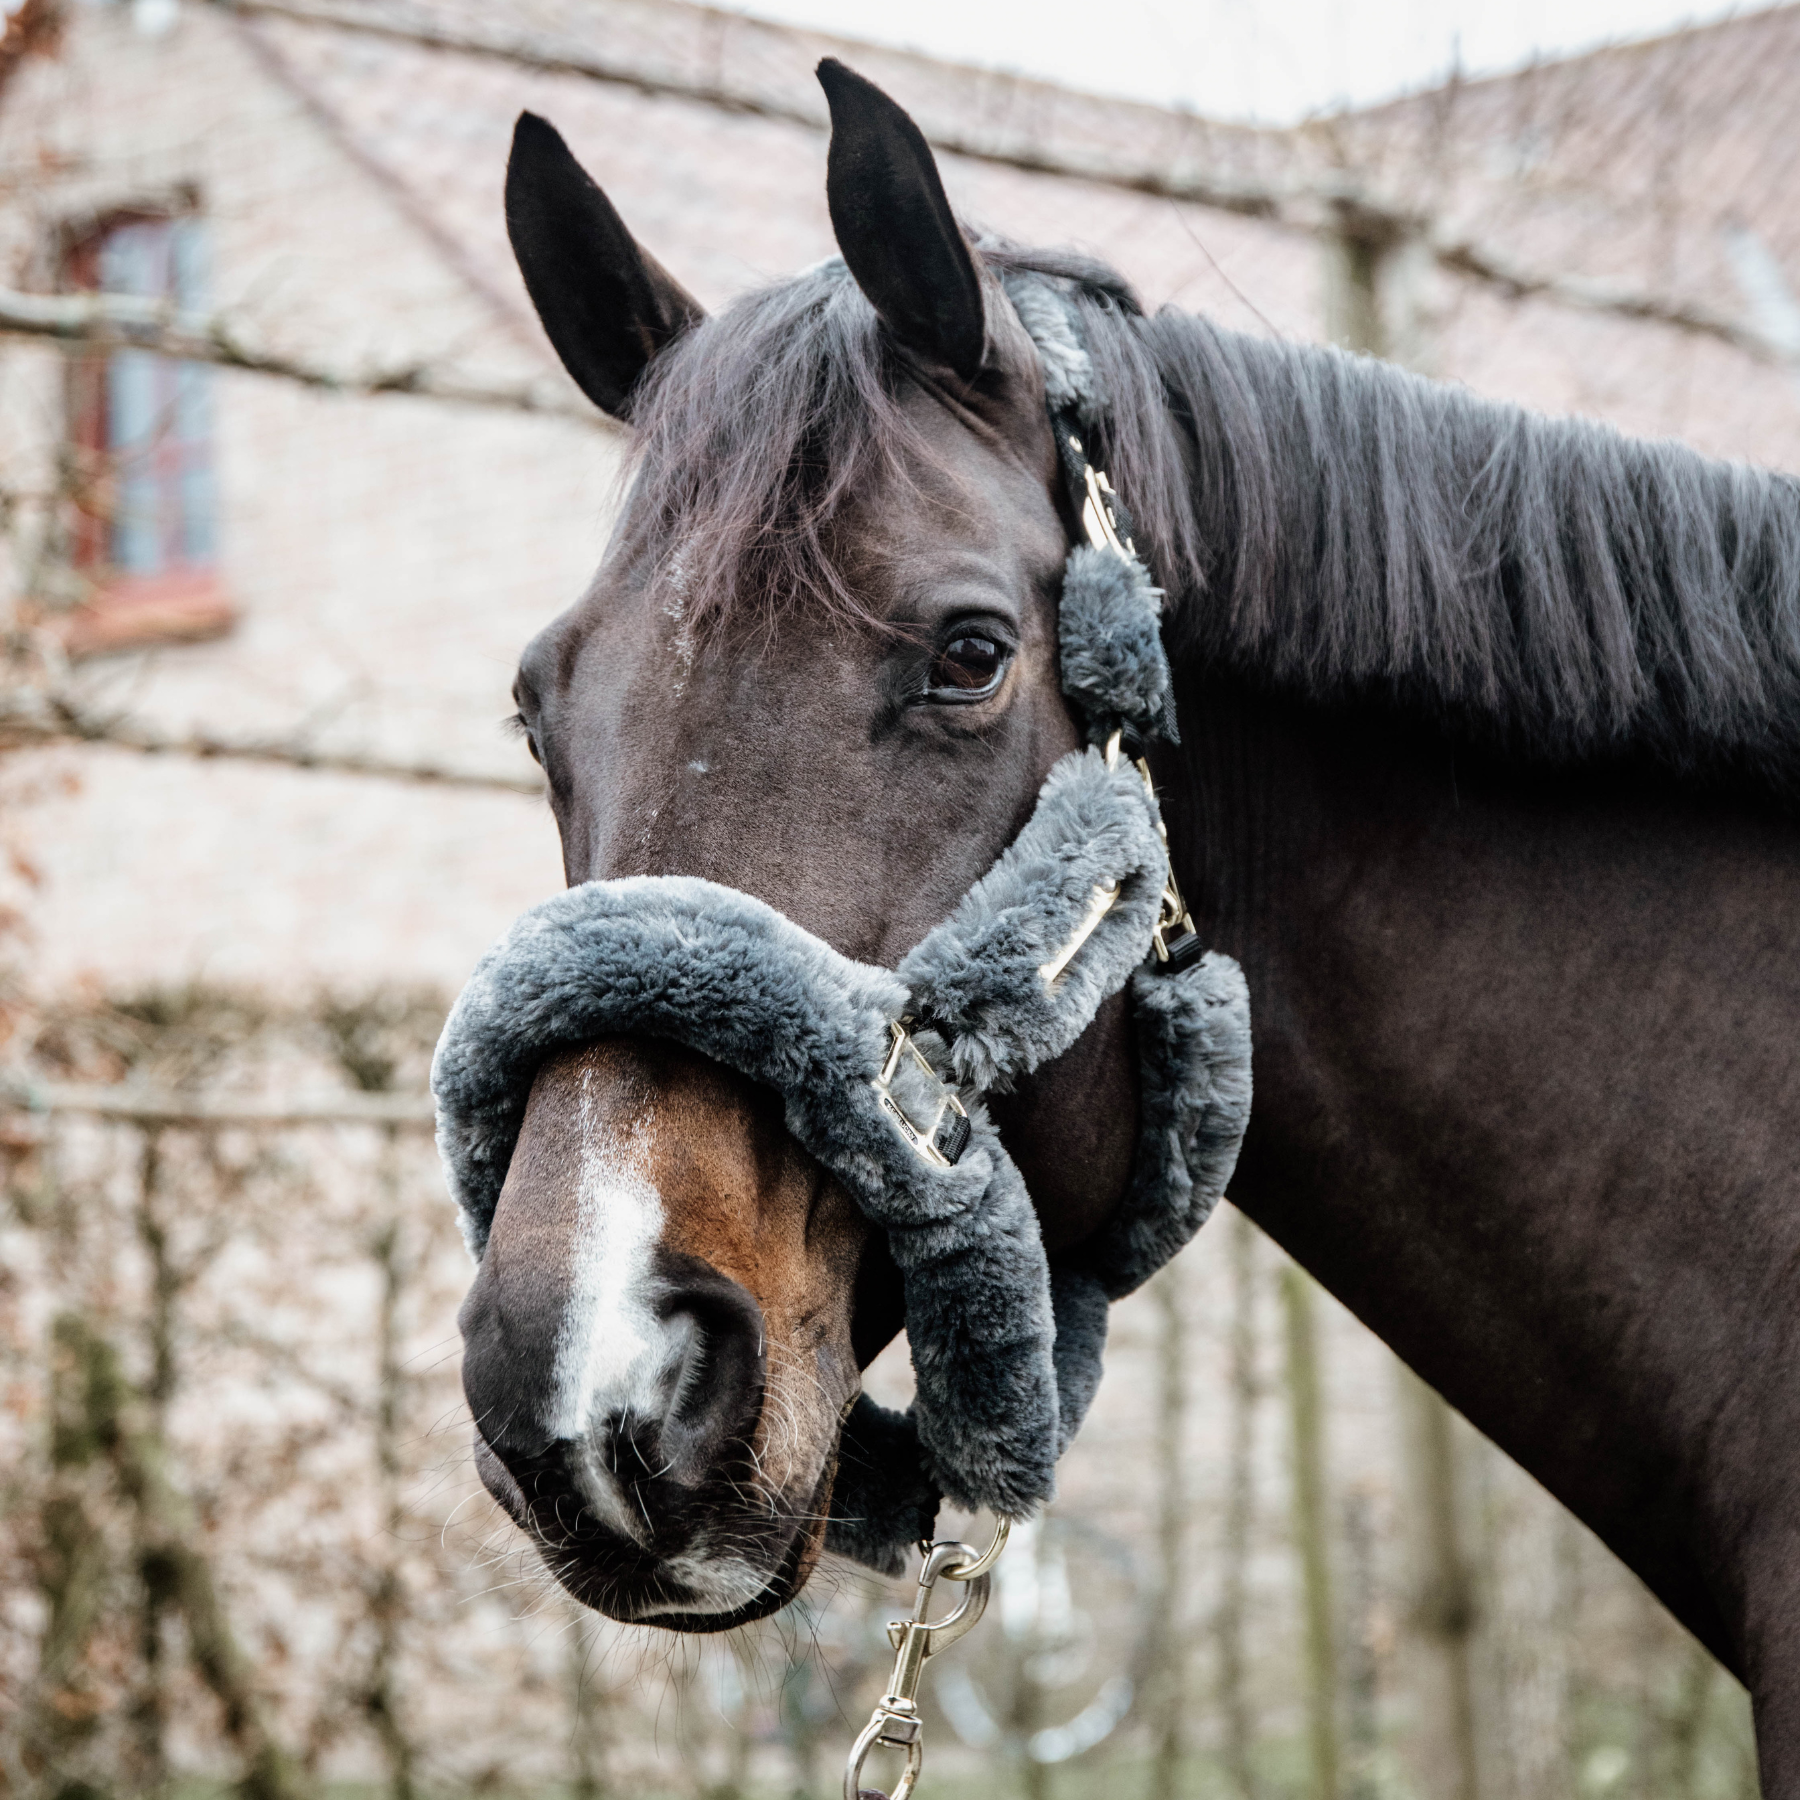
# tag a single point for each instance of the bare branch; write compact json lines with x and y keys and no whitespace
{"x":1328,"y":207}
{"x":1187,"y":165}
{"x":125,"y":322}
{"x":117,"y":321}
{"x":149,"y":1106}
{"x":544,"y":54}
{"x":29,"y":29}
{"x":32,"y":716}
{"x":1462,"y":257}
{"x":347,"y":1399}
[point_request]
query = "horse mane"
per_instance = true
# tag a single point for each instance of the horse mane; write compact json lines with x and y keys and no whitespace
{"x":1339,"y":528}
{"x":1325,"y":523}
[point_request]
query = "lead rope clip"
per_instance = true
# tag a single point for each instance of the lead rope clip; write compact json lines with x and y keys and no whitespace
{"x":895,"y":1723}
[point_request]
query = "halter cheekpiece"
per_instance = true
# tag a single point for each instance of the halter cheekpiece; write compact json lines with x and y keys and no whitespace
{"x":883,"y":1072}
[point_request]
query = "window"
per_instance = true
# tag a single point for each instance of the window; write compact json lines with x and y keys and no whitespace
{"x":146,"y":525}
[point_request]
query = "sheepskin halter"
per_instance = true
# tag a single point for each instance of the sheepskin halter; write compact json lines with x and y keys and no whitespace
{"x":883,"y":1071}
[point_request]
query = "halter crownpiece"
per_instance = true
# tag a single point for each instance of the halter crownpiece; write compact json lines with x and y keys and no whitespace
{"x":883,"y":1072}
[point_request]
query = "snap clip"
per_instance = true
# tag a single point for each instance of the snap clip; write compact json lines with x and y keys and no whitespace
{"x":895,"y":1723}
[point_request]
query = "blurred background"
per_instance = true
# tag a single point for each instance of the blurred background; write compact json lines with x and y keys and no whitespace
{"x":288,"y":476}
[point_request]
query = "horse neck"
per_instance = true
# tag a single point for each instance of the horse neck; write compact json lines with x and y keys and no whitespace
{"x":1524,"y":1087}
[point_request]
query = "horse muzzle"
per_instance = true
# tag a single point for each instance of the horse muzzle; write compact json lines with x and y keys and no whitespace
{"x":652,"y":1505}
{"x":881,"y":1073}
{"x":654,"y":1358}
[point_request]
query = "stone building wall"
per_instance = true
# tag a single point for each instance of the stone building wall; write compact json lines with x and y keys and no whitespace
{"x":388,"y":556}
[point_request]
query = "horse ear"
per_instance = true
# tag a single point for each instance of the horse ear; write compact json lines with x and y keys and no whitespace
{"x":607,"y":305}
{"x":895,"y":226}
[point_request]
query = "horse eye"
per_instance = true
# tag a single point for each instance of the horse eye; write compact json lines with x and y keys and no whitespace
{"x":519,"y":723}
{"x":967,"y":668}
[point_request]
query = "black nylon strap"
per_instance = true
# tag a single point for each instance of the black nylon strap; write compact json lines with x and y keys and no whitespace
{"x":1072,"y":450}
{"x":1074,"y":463}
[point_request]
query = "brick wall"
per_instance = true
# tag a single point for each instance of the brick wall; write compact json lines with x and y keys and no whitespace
{"x":389,"y":556}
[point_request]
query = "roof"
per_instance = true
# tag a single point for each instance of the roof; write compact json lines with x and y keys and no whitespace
{"x":710,"y":133}
{"x":1669,"y":167}
{"x":1662,"y":168}
{"x":1658,"y":171}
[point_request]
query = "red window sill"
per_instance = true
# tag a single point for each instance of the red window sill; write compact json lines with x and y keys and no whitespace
{"x":134,"y":612}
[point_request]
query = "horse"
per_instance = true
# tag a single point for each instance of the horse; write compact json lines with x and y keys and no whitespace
{"x":1489,"y":738}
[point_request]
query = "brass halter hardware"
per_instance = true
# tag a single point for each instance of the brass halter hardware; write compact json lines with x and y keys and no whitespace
{"x":1099,"y":518}
{"x":1172,"y":918}
{"x":895,"y":1723}
{"x":938,"y":1140}
{"x":1098,"y":907}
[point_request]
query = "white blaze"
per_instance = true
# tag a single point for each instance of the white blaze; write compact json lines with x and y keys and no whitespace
{"x":613,"y":1353}
{"x":611,"y":1348}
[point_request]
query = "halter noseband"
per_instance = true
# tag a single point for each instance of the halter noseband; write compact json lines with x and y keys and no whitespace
{"x":883,"y":1072}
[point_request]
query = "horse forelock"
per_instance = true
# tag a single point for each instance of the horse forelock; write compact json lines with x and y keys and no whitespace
{"x":754,"y":431}
{"x":749,"y":436}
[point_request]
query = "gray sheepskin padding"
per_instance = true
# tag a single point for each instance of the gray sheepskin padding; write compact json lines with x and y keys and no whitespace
{"x":771,"y":1000}
{"x":729,"y":976}
{"x":977,"y":973}
{"x":1193,"y":1032}
{"x":881,"y":1498}
{"x":1069,"y":384}
{"x":1110,"y":625}
{"x":1110,"y":621}
{"x":1079,"y":1305}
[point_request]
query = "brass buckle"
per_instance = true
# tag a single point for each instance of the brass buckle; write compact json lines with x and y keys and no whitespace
{"x":922,"y":1138}
{"x":1172,"y":915}
{"x":1172,"y":918}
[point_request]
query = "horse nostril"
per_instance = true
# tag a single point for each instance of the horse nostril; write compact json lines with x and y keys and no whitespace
{"x":716,"y":1381}
{"x":631,"y":1449}
{"x":498,"y":1343}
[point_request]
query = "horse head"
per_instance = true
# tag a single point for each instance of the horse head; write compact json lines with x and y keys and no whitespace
{"x":819,"y":665}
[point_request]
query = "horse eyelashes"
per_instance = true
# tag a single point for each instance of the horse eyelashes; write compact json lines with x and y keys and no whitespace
{"x":520,"y":726}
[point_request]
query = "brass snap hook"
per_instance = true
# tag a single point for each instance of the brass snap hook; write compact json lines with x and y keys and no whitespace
{"x":895,"y":1723}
